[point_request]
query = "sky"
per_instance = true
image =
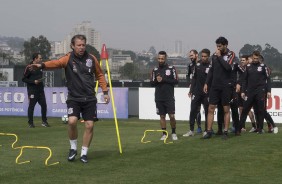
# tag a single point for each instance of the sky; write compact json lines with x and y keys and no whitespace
{"x":139,"y":24}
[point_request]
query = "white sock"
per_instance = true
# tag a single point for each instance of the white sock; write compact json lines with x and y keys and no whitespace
{"x":84,"y":150}
{"x":73,"y":144}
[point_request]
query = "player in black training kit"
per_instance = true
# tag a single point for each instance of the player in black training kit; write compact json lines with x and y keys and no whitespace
{"x":35,"y":90}
{"x":220,"y":78}
{"x":243,"y":63}
{"x":255,"y":87}
{"x":198,"y":96}
{"x":236,"y":71}
{"x":272,"y":128}
{"x":164,"y":78}
{"x":193,"y":55}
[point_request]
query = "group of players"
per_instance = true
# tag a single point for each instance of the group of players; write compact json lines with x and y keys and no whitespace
{"x":217,"y":81}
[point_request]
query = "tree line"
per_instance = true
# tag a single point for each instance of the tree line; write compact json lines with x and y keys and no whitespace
{"x":272,"y":57}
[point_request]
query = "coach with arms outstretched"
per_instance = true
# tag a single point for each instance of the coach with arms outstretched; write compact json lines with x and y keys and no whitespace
{"x":81,"y":69}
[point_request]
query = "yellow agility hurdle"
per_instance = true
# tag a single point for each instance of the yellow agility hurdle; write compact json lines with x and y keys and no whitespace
{"x":9,"y":134}
{"x":145,"y":132}
{"x":35,"y":147}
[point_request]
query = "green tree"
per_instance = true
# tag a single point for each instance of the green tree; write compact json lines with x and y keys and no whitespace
{"x":143,"y":58}
{"x":249,"y":49}
{"x":129,"y":71}
{"x":152,"y":64}
{"x":131,"y":53}
{"x":152,"y":50}
{"x":92,"y":50}
{"x":272,"y":57}
{"x":40,"y":45}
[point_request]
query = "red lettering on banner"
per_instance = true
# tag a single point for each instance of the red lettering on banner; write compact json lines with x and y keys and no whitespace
{"x":269,"y":103}
{"x":276,"y":101}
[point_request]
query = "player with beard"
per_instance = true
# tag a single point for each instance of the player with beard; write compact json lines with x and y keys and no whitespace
{"x":198,"y":96}
{"x":242,"y":67}
{"x":35,"y":90}
{"x":193,"y":55}
{"x":164,"y":78}
{"x":272,"y":128}
{"x":255,"y":88}
{"x":220,"y":78}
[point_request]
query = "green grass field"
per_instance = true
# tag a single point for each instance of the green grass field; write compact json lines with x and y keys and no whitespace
{"x":250,"y":158}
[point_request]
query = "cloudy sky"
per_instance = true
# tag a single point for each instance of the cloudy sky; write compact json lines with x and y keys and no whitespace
{"x":139,"y":24}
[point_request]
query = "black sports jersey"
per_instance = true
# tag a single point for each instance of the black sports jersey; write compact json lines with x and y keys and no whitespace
{"x":220,"y":73}
{"x":256,"y":77}
{"x":81,"y":71}
{"x":190,"y":71}
{"x":29,"y":77}
{"x":241,"y":70}
{"x":80,"y":75}
{"x":164,"y":90}
{"x":199,"y":78}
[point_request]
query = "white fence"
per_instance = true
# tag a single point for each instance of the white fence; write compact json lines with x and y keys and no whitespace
{"x":147,"y":107}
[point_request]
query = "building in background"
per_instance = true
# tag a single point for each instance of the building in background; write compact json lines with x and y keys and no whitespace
{"x":93,"y":38}
{"x":116,"y":61}
{"x":178,"y":48}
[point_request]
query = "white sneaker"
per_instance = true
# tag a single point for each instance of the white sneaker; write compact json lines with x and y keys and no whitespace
{"x":174,"y":137}
{"x":205,"y":133}
{"x":243,"y":130}
{"x":188,"y":134}
{"x":252,"y":130}
{"x":275,"y":130}
{"x":163,"y":137}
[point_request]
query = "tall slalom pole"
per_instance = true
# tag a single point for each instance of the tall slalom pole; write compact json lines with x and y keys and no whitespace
{"x":105,"y":56}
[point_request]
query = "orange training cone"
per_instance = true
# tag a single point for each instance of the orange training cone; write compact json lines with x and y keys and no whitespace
{"x":104,"y":53}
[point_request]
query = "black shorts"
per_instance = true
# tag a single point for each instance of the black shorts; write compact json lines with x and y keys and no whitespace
{"x":165,"y":107}
{"x":88,"y":110}
{"x":223,"y":95}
